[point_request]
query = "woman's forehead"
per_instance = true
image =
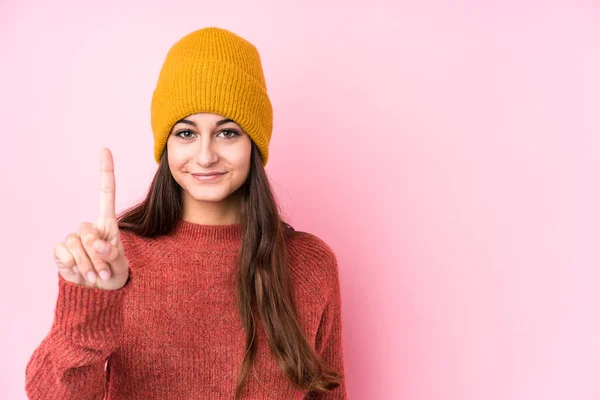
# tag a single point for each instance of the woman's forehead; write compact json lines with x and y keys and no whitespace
{"x":205,"y":118}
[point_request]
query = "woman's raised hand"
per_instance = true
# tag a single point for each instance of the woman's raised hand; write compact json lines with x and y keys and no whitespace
{"x":94,"y":256}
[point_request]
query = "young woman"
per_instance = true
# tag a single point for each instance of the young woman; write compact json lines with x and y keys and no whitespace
{"x":200,"y":291}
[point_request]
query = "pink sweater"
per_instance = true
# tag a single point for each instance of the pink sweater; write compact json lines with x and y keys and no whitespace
{"x":174,"y":332}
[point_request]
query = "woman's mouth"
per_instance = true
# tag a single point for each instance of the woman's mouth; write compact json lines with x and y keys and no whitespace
{"x":208,"y":178}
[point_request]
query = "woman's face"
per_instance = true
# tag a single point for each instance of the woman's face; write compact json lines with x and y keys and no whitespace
{"x":208,"y":143}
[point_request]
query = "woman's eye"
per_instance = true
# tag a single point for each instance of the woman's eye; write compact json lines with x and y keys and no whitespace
{"x":234,"y":134}
{"x":186,"y":131}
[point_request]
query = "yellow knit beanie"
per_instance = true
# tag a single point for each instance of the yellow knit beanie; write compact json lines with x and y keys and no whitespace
{"x":212,"y":70}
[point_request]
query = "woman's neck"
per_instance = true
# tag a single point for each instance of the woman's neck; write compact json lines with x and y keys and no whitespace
{"x":224,"y":212}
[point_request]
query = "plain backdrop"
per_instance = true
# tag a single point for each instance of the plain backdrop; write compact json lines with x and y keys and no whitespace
{"x":448,"y":151}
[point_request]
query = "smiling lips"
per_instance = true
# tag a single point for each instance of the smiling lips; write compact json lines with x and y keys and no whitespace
{"x":208,"y":177}
{"x":208,"y":173}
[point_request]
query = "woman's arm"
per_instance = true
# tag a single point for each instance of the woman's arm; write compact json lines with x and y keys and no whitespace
{"x":70,"y":361}
{"x":328,"y":342}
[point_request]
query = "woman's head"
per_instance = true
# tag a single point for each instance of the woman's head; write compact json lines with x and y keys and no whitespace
{"x":205,"y":143}
{"x":211,"y":76}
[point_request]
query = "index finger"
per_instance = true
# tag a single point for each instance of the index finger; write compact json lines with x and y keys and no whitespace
{"x":107,"y":184}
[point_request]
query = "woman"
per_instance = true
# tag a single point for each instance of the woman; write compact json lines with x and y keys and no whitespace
{"x":200,"y":290}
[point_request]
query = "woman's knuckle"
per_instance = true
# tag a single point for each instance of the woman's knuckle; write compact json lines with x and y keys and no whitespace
{"x":70,"y":239}
{"x":81,"y":260}
{"x":88,"y":240}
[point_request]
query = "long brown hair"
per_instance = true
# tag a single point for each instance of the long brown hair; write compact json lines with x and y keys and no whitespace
{"x":263,"y":277}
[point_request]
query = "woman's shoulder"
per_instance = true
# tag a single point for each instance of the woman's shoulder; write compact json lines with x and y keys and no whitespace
{"x":313,"y":258}
{"x":310,"y":244}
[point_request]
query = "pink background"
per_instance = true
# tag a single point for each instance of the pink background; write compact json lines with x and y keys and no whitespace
{"x":448,"y":151}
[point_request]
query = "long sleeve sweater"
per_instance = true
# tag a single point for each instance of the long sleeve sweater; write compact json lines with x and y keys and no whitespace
{"x":174,"y":331}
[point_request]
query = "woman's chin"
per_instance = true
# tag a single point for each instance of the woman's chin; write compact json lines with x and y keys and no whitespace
{"x":214,"y":195}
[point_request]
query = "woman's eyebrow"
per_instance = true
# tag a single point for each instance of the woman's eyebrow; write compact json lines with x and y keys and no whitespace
{"x":192,"y":123}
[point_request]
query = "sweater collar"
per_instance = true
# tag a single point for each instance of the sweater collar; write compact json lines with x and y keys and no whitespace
{"x":217,"y":237}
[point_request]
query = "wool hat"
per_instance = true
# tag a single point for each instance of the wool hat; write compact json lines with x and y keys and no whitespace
{"x":212,"y":70}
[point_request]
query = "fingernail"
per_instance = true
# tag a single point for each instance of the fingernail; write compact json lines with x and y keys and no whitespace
{"x":91,"y":277}
{"x":75,"y":269}
{"x":104,"y":275}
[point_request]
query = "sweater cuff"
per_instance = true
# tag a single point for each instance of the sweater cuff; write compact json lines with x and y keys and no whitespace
{"x":83,"y":313}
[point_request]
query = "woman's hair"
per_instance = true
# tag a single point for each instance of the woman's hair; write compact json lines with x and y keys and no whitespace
{"x":263,"y":277}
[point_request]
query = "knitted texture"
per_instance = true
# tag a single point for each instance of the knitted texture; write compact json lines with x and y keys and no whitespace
{"x":212,"y":70}
{"x":174,"y":331}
